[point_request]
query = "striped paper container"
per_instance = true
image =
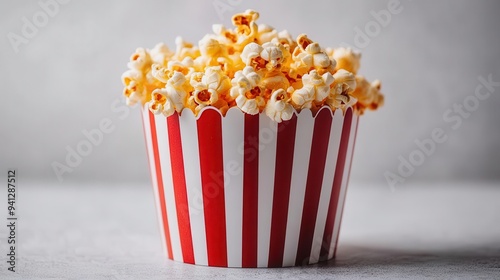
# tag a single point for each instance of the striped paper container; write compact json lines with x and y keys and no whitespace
{"x":245,"y":191}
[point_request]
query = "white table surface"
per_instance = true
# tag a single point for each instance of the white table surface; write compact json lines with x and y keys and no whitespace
{"x":100,"y":231}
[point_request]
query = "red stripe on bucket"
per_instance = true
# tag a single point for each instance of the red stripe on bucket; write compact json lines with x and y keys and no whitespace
{"x":212,"y":179}
{"x":285,"y":144}
{"x":161,"y":192}
{"x":250,"y":190}
{"x":347,"y":183}
{"x":337,"y":182}
{"x":180,"y":192}
{"x":317,"y":159}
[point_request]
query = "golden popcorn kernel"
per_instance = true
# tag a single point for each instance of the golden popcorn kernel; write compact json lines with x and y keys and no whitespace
{"x":258,"y":63}
{"x":204,"y":95}
{"x":127,"y":92}
{"x":280,"y":96}
{"x":127,"y":80}
{"x":253,"y":93}
{"x":244,"y":21}
{"x":346,"y":58}
{"x":159,"y":98}
{"x":230,"y":36}
{"x":303,"y":41}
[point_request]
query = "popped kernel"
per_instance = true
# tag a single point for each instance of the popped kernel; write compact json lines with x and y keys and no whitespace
{"x":340,"y":94}
{"x":171,"y":98}
{"x":308,"y":55}
{"x":140,"y":60}
{"x":368,"y":94}
{"x":212,"y":53}
{"x":251,"y":56}
{"x":285,"y":38}
{"x":316,"y":88}
{"x":246,"y":29}
{"x":272,"y":53}
{"x":161,"y":54}
{"x":185,"y":49}
{"x":158,"y":104}
{"x":266,"y":33}
{"x":134,"y":89}
{"x":347,"y":59}
{"x":134,"y":93}
{"x":210,"y":89}
{"x":278,"y":107}
{"x":247,"y":91}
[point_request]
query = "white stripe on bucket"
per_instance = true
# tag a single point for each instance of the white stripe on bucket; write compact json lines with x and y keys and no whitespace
{"x":267,"y":161}
{"x":190,"y":151}
{"x":168,"y":186}
{"x":303,"y":138}
{"x":154,"y":180}
{"x":326,"y":188}
{"x":233,"y":138}
{"x":343,"y":188}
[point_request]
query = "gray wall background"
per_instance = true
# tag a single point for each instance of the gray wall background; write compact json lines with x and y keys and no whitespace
{"x":66,"y":78}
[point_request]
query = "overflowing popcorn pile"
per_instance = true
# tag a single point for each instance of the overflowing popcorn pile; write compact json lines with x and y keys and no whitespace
{"x":253,"y":67}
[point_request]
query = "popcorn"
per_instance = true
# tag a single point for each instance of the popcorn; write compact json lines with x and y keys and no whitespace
{"x":134,"y":89}
{"x":140,"y":60}
{"x":266,"y":33}
{"x":210,"y":51}
{"x":185,"y":49}
{"x":251,"y":56}
{"x":161,"y":54}
{"x":278,"y":107}
{"x":267,"y":61}
{"x":164,"y":73}
{"x":247,"y":92}
{"x":308,"y":55}
{"x":344,"y":84}
{"x":210,"y":89}
{"x":347,"y":59}
{"x":367,"y":94}
{"x":315,"y":88}
{"x":159,"y":103}
{"x":285,"y":38}
{"x":246,"y":28}
{"x":252,"y":66}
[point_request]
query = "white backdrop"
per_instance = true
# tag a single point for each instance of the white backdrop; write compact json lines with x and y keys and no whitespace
{"x":62,"y":76}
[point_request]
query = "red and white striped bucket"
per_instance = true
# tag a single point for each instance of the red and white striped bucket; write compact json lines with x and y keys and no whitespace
{"x":245,"y":191}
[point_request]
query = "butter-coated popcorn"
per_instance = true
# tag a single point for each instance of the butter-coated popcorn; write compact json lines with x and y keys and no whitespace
{"x":272,"y":53}
{"x":252,"y":66}
{"x":171,"y":98}
{"x":160,"y":103}
{"x":185,"y":49}
{"x":134,"y":89}
{"x":340,"y":94}
{"x":140,"y":60}
{"x":251,"y":56}
{"x":247,"y":91}
{"x":210,"y":89}
{"x":347,"y":59}
{"x":278,"y":106}
{"x":316,"y":88}
{"x":368,"y":94}
{"x":285,"y":38}
{"x":308,"y":55}
{"x":246,"y":29}
{"x":210,"y":52}
{"x":161,"y":54}
{"x":266,"y":33}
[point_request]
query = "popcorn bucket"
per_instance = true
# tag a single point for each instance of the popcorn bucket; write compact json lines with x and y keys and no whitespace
{"x":245,"y":191}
